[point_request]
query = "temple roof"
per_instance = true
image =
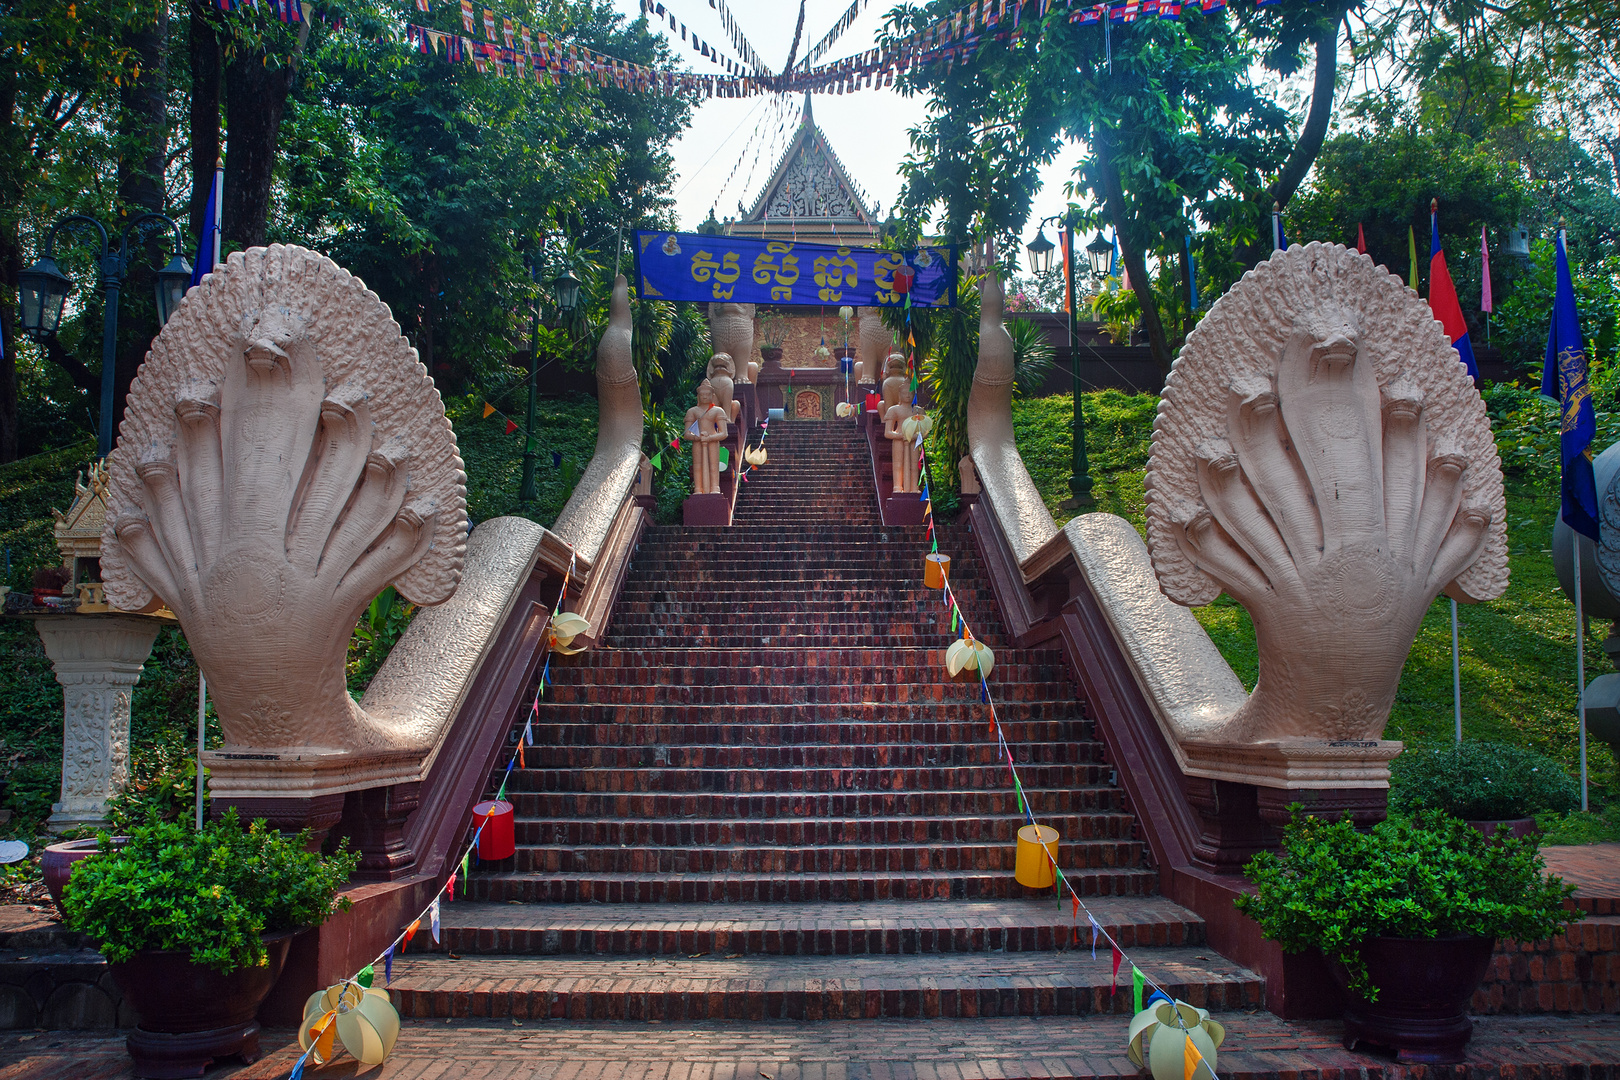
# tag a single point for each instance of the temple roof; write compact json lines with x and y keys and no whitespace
{"x":810,"y":197}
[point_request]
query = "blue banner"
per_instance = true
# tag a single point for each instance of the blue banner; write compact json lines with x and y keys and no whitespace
{"x":748,"y":270}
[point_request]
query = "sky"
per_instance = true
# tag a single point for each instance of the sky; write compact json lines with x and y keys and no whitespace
{"x":732,"y":146}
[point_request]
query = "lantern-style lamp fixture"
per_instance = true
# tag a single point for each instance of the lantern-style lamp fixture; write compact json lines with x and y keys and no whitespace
{"x":42,"y":292}
{"x":566,"y":286}
{"x":1040,"y":254}
{"x":1101,"y":253}
{"x":172,"y":282}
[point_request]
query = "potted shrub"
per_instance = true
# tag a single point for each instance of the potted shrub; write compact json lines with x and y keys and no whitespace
{"x":1407,"y":915}
{"x":1484,"y":783}
{"x":195,"y":927}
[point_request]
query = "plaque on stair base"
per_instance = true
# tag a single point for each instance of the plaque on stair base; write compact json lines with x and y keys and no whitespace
{"x":706,"y":510}
{"x":903,"y":509}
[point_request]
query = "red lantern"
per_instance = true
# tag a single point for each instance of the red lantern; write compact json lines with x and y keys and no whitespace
{"x":903,"y":278}
{"x":497,"y":840}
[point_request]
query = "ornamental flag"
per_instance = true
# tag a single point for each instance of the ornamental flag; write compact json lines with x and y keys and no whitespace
{"x":1563,"y":378}
{"x":1443,"y":300}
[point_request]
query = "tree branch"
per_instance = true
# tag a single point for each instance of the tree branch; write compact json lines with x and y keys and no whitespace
{"x":1130,"y":249}
{"x":1311,"y":135}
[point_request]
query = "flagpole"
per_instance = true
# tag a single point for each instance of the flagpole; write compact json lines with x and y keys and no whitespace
{"x":1456,"y":673}
{"x":1580,"y":657}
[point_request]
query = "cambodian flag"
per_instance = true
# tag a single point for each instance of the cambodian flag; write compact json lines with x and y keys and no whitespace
{"x":1170,"y":9}
{"x":1563,"y":378}
{"x":1089,"y":16}
{"x":1443,"y":300}
{"x":1213,"y":5}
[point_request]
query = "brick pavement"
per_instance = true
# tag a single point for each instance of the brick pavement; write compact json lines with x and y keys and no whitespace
{"x":1259,"y":1047}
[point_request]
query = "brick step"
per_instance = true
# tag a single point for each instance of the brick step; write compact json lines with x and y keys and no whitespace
{"x":1259,"y":1046}
{"x":555,"y":730}
{"x":790,"y":888}
{"x":724,"y":832}
{"x":761,"y":781}
{"x":638,"y":632}
{"x":876,"y":756}
{"x":756,"y":806}
{"x":808,"y":988}
{"x":849,"y":696}
{"x":946,"y":710}
{"x":882,"y":857}
{"x":898,"y":672}
{"x":890,"y":659}
{"x":892,"y":927}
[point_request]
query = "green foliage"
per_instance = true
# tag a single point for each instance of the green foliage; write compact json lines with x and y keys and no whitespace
{"x":1580,"y":827}
{"x":210,"y":893}
{"x":1521,"y":321}
{"x":1480,"y":781}
{"x":1333,"y":888}
{"x":1033,"y":356}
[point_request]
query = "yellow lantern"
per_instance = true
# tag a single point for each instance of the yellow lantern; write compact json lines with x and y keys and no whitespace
{"x":936,"y":570}
{"x":1159,"y":1037}
{"x":968,"y":660}
{"x":565,"y":627}
{"x":364,"y":1020}
{"x":755,"y":456}
{"x":1036,"y":863}
{"x":925,"y":424}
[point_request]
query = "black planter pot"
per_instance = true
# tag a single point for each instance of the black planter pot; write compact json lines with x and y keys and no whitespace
{"x":192,"y":1015}
{"x":1424,"y":985}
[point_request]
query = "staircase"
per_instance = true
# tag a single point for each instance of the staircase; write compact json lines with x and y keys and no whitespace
{"x":760,"y":800}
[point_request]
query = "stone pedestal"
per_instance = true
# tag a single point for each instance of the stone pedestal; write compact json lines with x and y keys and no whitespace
{"x":98,"y":661}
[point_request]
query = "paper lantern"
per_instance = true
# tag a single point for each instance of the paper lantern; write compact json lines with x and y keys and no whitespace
{"x":936,"y":570}
{"x":1035,"y":865}
{"x":844,"y":408}
{"x":925,"y":424}
{"x":565,"y":627}
{"x":872,"y":402}
{"x":1159,"y":1035}
{"x":362,"y":1019}
{"x":968,"y":660}
{"x":755,"y":456}
{"x":908,"y":428}
{"x":496,"y":836}
{"x":903,"y":277}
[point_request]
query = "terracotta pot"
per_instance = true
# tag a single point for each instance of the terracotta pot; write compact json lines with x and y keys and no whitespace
{"x":772,"y":355}
{"x":1424,"y":986}
{"x":192,"y":1015}
{"x":1518,"y":828}
{"x":56,"y":863}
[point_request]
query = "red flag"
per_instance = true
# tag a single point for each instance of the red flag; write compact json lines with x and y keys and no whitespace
{"x":1361,"y":239}
{"x":1114,"y":983}
{"x":511,"y":426}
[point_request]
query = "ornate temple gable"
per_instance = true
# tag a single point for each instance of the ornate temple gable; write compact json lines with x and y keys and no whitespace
{"x":810,"y":195}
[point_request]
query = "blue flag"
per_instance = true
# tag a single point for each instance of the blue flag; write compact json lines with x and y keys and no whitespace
{"x":1563,"y":378}
{"x":208,"y":242}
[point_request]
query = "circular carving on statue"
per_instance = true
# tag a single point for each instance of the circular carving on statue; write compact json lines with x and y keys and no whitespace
{"x":1358,"y":581}
{"x":251,"y":587}
{"x":258,"y":424}
{"x":1340,"y":421}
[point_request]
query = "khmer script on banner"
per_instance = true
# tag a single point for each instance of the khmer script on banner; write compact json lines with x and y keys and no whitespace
{"x":747,"y":270}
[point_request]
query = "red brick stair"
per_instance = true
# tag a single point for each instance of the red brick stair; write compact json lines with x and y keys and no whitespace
{"x":760,"y":799}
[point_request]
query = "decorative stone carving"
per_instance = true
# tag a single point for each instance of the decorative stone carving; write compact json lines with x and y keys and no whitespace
{"x":284,"y":456}
{"x":1321,"y":455}
{"x":896,"y":382}
{"x":98,"y":661}
{"x":902,"y":452}
{"x":731,"y":331}
{"x":722,"y":370}
{"x":706,"y":427}
{"x":872,"y":343}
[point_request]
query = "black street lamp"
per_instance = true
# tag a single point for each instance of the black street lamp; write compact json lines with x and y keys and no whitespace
{"x":565,"y":289}
{"x":1101,"y":253}
{"x":42,"y":292}
{"x":1040,"y":261}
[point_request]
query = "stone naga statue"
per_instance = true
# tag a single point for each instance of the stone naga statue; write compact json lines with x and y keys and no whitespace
{"x":283,"y":457}
{"x":1321,"y":454}
{"x":731,"y":331}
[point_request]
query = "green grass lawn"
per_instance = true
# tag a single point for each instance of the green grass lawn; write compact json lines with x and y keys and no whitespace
{"x":1517,"y":653}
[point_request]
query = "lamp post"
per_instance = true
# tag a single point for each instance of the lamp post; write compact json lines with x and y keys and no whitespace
{"x":43,"y":291}
{"x":1040,"y":263}
{"x":565,"y":287}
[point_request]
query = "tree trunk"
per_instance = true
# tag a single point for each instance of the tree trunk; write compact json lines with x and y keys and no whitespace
{"x":255,"y":101}
{"x":1130,"y":246}
{"x":205,"y":76}
{"x":142,"y":120}
{"x":10,"y":266}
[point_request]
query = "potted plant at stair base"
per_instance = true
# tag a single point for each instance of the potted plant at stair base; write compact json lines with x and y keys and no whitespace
{"x":196,"y":926}
{"x":1407,"y":916}
{"x":1486,"y":784}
